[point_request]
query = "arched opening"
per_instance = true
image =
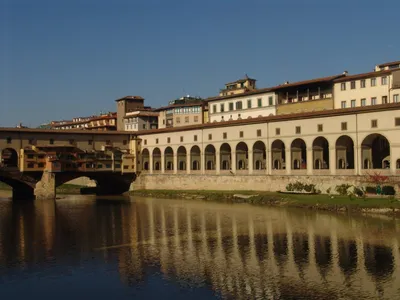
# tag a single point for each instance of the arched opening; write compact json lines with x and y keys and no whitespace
{"x":181,"y":158}
{"x":242,"y":156}
{"x":344,"y":152}
{"x":209,"y":156}
{"x":169,"y":159}
{"x":79,"y":182}
{"x":156,"y":159}
{"x":298,"y":152}
{"x":9,"y":158}
{"x":398,"y":164}
{"x":195,"y":158}
{"x":225,"y":156}
{"x":321,"y":153}
{"x":278,"y":154}
{"x":145,"y":159}
{"x":259,"y":156}
{"x":375,"y":152}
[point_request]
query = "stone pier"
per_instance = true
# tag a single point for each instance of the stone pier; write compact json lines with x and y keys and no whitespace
{"x":46,"y":187}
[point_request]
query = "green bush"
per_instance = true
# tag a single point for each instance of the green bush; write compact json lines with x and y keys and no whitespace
{"x":342,"y":189}
{"x":370,"y":190}
{"x":358,"y":192}
{"x":388,"y":190}
{"x":298,"y":187}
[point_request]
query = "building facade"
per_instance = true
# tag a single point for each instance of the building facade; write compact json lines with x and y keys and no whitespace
{"x":141,"y":120}
{"x":238,"y":87}
{"x":379,"y":87}
{"x":103,"y":122}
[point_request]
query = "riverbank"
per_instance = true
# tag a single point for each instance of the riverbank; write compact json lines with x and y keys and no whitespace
{"x":337,"y":203}
{"x":72,"y":189}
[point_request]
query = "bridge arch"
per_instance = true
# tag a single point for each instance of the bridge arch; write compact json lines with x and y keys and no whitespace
{"x":9,"y":158}
{"x":375,"y":152}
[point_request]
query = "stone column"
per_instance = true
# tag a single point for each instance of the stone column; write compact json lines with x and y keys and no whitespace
{"x":332,"y":160}
{"x":162,"y":163}
{"x":46,"y":187}
{"x":175,"y":159}
{"x":310,"y":162}
{"x":250,"y":162}
{"x":357,"y":161}
{"x":217,"y":162}
{"x":268,"y":162}
{"x":393,"y":160}
{"x":233,"y":161}
{"x":288,"y":161}
{"x":202,"y":162}
{"x":151,"y":163}
{"x":188,"y":164}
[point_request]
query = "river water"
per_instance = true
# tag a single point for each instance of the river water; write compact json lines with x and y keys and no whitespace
{"x":82,"y":247}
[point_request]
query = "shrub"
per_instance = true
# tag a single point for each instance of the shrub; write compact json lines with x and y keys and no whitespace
{"x":358,"y":192}
{"x":342,"y":189}
{"x":290,"y":187}
{"x":309,"y":188}
{"x":388,"y":190}
{"x":370,"y":190}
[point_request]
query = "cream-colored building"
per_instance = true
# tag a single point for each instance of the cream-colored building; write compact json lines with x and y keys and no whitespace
{"x":253,"y":104}
{"x":378,"y":87}
{"x":240,"y":86}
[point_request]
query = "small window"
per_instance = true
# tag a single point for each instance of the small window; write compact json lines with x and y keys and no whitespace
{"x":397,"y":122}
{"x":258,"y":132}
{"x":51,"y":141}
{"x":214,"y":108}
{"x":178,"y":120}
{"x":71,"y":142}
{"x":117,"y":166}
{"x":145,"y":142}
{"x":277,"y":131}
{"x":384,"y":80}
{"x":108,"y":142}
{"x":385,"y":100}
{"x":31,"y":165}
{"x":249,"y":103}
{"x":32,"y":142}
{"x":196,"y":119}
{"x":9,"y":140}
{"x":298,"y":129}
{"x":195,"y":138}
{"x":181,"y":139}
{"x":99,"y":166}
{"x":343,"y":86}
{"x":396,"y":98}
{"x":30,"y":156}
{"x":241,"y":134}
{"x":40,"y":165}
{"x":186,"y":119}
{"x":363,"y":102}
{"x":126,"y":167}
{"x":270,"y":100}
{"x":222,"y":107}
{"x":373,"y":101}
{"x":156,"y":141}
{"x":209,"y":136}
{"x":124,"y":142}
{"x":320,"y":128}
{"x":238,"y":105}
{"x":352,"y":85}
{"x":108,"y":166}
{"x":343,"y":104}
{"x":373,"y":81}
{"x":344,"y":125}
{"x":259,"y":102}
{"x":374,"y":123}
{"x":90,"y":142}
{"x":353,"y":103}
{"x":168,"y":140}
{"x":225,"y":135}
{"x":230,"y":106}
{"x":362,"y":83}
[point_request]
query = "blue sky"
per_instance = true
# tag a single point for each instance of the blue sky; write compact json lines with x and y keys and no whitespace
{"x":61,"y":59}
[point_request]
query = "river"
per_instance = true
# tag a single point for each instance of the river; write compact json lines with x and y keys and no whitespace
{"x":83,"y":247}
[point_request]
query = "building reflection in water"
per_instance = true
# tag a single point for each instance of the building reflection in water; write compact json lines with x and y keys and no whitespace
{"x":239,"y":251}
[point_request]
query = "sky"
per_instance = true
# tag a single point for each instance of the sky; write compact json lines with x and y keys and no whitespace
{"x":61,"y":59}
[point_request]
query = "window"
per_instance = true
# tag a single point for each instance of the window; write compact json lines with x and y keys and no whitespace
{"x":209,"y":136}
{"x":145,"y":142}
{"x":352,"y":85}
{"x":241,"y":134}
{"x":90,"y":142}
{"x":277,"y":131}
{"x":30,"y":156}
{"x":108,"y":166}
{"x":108,"y":142}
{"x":225,"y":135}
{"x":118,"y":166}
{"x":181,"y":139}
{"x":168,"y":140}
{"x":259,"y":102}
{"x":270,"y":100}
{"x":231,"y":106}
{"x":374,"y":123}
{"x":9,"y":140}
{"x":343,"y":86}
{"x":353,"y":103}
{"x":320,"y":127}
{"x":344,"y":125}
{"x":298,"y":129}
{"x":196,"y":119}
{"x":32,"y":141}
{"x":373,"y":81}
{"x":384,"y":100}
{"x":163,"y":121}
{"x":186,"y":119}
{"x":239,"y":105}
{"x":258,"y":132}
{"x":397,"y":122}
{"x":40,"y":165}
{"x":51,"y":141}
{"x":195,"y":138}
{"x":31,"y":165}
{"x":363,"y":102}
{"x":222,"y":108}
{"x":362,"y":83}
{"x":178,"y":120}
{"x":99,"y":166}
{"x":343,"y":104}
{"x":156,"y":141}
{"x":384,"y":80}
{"x":396,"y":98}
{"x":124,"y":142}
{"x":249,"y":103}
{"x":373,"y":101}
{"x":126,"y":167}
{"x":214,"y":108}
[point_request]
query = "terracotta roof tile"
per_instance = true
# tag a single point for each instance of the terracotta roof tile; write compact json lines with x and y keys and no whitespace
{"x":364,"y":75}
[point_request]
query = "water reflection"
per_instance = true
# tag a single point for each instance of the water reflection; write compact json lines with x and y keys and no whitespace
{"x":237,"y":251}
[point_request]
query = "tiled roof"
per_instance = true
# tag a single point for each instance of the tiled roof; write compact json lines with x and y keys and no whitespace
{"x":179,"y":105}
{"x":389,"y":64}
{"x":130,"y":98}
{"x":306,"y":82}
{"x":364,"y":75}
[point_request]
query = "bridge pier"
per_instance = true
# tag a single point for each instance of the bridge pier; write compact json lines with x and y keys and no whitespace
{"x":46,"y":187}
